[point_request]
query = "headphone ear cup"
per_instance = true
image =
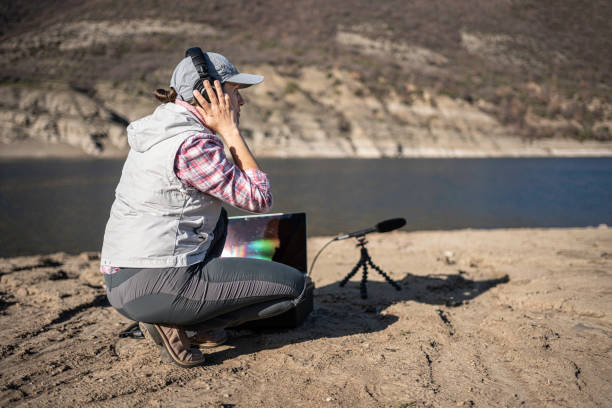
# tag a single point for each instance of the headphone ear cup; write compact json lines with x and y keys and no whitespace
{"x":199,"y":86}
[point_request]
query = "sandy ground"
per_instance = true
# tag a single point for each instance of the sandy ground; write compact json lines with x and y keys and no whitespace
{"x":510,"y":318}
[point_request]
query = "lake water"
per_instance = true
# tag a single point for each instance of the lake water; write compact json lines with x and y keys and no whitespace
{"x":62,"y":205}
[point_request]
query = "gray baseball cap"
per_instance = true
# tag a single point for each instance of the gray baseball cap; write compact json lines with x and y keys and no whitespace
{"x":219,"y":67}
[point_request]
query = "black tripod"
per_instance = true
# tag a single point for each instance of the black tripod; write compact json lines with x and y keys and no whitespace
{"x":364,"y":261}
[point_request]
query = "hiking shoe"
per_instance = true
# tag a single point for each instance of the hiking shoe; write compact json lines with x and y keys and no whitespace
{"x":209,"y":338}
{"x":174,"y":345}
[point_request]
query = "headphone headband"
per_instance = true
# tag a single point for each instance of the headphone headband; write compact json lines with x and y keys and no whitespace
{"x":199,"y":61}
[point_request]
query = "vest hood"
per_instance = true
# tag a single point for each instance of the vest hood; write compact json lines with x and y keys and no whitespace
{"x":167,"y":121}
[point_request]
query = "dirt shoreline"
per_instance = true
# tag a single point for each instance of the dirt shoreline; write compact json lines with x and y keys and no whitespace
{"x":519,"y":317}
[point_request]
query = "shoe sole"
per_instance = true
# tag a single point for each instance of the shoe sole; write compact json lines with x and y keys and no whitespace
{"x":211,"y":345}
{"x":167,"y":354}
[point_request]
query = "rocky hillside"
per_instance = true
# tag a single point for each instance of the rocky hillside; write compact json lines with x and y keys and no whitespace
{"x":352,"y":80}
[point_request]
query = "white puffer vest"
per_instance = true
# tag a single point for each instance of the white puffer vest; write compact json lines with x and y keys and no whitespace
{"x":156,"y":221}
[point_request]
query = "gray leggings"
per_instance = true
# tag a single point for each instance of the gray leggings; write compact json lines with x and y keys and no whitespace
{"x":215,"y":293}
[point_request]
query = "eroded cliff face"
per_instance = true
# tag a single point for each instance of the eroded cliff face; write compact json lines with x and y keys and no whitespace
{"x":342,"y":80}
{"x":332,"y":114}
{"x":58,"y":116}
{"x":310,"y":113}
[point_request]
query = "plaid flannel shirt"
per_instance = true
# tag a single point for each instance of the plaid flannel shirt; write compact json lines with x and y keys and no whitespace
{"x":201,"y":163}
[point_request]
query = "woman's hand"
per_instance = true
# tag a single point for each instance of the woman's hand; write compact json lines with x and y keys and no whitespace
{"x":219,"y":114}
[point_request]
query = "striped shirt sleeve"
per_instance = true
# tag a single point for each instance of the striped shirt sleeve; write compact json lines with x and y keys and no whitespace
{"x":201,"y":163}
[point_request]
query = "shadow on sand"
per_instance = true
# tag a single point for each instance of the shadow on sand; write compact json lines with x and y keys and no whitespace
{"x":339,"y":311}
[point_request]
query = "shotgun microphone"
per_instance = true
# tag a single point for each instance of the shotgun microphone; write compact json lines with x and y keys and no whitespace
{"x":383,"y":226}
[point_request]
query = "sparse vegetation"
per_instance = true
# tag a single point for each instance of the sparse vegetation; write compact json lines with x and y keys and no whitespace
{"x":495,"y":55}
{"x":291,"y":87}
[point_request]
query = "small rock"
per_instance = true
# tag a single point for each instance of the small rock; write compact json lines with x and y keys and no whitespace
{"x":328,"y":399}
{"x":22,"y":292}
{"x":449,"y":257}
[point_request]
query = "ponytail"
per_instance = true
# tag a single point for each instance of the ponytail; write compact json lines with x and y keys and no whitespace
{"x":164,"y":95}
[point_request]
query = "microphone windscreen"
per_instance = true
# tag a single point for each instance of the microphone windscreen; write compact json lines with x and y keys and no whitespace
{"x":390,"y":225}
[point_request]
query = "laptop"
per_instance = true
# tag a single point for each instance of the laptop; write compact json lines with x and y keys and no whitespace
{"x":273,"y":237}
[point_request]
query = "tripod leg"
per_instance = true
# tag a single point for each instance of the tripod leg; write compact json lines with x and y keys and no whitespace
{"x":364,"y":279}
{"x":352,"y":272}
{"x":387,"y":278}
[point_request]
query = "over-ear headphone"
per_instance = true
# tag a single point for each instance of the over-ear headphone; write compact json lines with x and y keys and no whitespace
{"x":199,"y":61}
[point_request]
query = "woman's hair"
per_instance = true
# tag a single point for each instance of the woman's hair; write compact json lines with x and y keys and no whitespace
{"x":165,"y":96}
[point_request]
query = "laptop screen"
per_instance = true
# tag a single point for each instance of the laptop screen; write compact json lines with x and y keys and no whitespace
{"x":273,"y":237}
